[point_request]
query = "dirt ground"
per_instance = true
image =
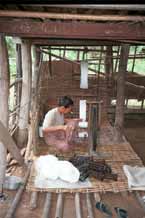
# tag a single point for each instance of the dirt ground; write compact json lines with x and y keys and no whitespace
{"x":135,"y":133}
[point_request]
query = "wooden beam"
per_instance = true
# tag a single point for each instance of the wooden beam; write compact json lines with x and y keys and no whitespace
{"x":26,"y":94}
{"x":78,"y":49}
{"x":66,"y":16}
{"x":132,"y":7}
{"x":4,"y":94}
{"x":15,"y":82}
{"x":119,"y":115}
{"x":74,"y":30}
{"x":9,"y":144}
{"x":75,"y":42}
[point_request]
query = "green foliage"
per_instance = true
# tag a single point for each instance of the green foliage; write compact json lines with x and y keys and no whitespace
{"x":12,"y":55}
{"x":11,"y":47}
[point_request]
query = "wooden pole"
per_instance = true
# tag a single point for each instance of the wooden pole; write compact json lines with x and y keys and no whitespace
{"x":29,"y":144}
{"x":33,"y":200}
{"x":65,"y":16}
{"x":9,"y":144}
{"x":47,"y":206}
{"x":132,"y":7}
{"x":119,"y":114}
{"x":4,"y":81}
{"x":89,"y":206}
{"x":4,"y":94}
{"x":26,"y":94}
{"x":19,"y":72}
{"x":116,"y":62}
{"x":12,"y":209}
{"x":59,"y":206}
{"x":78,"y":205}
{"x":35,"y":97}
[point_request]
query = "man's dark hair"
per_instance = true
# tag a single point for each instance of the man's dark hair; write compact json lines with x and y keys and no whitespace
{"x":65,"y":101}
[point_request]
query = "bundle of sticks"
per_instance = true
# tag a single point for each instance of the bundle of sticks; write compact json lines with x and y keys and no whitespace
{"x":91,"y":166}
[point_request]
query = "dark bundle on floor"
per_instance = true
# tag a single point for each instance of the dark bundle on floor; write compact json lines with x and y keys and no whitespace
{"x":91,"y":166}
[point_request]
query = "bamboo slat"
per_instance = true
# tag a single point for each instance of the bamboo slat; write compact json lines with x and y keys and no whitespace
{"x":120,"y":155}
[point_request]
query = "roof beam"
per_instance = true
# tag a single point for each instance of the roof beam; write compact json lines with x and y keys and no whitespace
{"x":70,"y":42}
{"x":66,"y":16}
{"x":133,"y":7}
{"x":73,"y":30}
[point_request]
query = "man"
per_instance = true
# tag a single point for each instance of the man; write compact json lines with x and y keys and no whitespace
{"x":56,"y":130}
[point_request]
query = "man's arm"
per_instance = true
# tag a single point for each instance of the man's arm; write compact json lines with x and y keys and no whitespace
{"x":72,"y":119}
{"x":54,"y":128}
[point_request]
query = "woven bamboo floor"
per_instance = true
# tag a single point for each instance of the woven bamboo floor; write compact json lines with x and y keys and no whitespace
{"x":116,"y":157}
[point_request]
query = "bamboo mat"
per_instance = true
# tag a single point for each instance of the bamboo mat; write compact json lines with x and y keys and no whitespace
{"x":118,"y":155}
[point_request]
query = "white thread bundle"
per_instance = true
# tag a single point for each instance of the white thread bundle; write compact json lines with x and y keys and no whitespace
{"x":84,"y":75}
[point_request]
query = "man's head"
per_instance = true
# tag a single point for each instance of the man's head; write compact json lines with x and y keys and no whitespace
{"x":65,"y":104}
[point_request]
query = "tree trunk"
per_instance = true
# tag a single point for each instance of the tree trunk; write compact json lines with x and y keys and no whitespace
{"x":26,"y":94}
{"x":119,"y":115}
{"x":4,"y":94}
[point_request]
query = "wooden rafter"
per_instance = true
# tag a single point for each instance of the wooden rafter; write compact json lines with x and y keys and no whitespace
{"x":74,"y":30}
{"x":66,"y":16}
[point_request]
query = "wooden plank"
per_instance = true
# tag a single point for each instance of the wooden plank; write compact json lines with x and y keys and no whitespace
{"x":75,"y":30}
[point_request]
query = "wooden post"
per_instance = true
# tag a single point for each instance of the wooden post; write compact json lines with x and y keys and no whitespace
{"x":89,"y":205}
{"x":47,"y":206}
{"x":59,"y":206}
{"x":29,"y":144}
{"x":117,"y":59}
{"x":142,"y":103}
{"x":98,"y":78}
{"x":19,"y":72}
{"x":78,"y":205}
{"x":4,"y":93}
{"x":35,"y":97}
{"x":33,"y":200}
{"x":119,"y":115}
{"x":108,"y":72}
{"x":26,"y":94}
